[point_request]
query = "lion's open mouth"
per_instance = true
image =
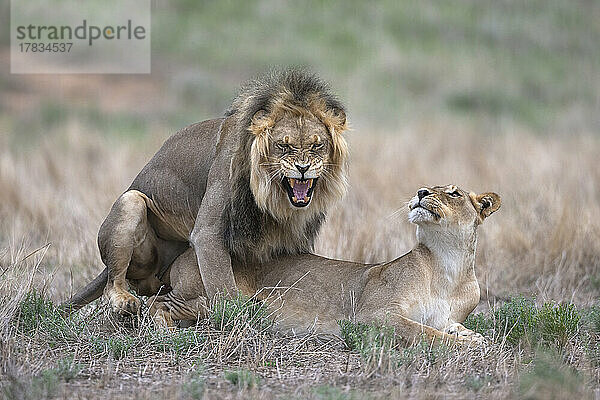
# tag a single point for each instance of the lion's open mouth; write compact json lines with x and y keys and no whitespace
{"x":299,"y":190}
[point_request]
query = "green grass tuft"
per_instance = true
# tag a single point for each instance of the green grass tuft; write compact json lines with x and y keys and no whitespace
{"x":117,"y":346}
{"x":242,"y":378}
{"x":36,"y":312}
{"x":333,"y":393}
{"x":37,"y":315}
{"x":558,"y":323}
{"x":591,"y":319}
{"x":423,"y":350}
{"x":179,"y":341}
{"x":376,"y":342}
{"x":591,"y":326}
{"x":520,"y":320}
{"x":67,"y":369}
{"x":194,"y":386}
{"x":550,"y":378}
{"x":477,"y":382}
{"x":44,"y":385}
{"x":367,"y":339}
{"x":515,"y":320}
{"x":479,"y":322}
{"x":227,"y":313}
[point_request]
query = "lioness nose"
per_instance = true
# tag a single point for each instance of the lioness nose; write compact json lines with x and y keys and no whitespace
{"x":302,"y":167}
{"x":422,"y":193}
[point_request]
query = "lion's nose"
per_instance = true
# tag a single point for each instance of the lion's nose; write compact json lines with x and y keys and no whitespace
{"x":422,"y":193}
{"x":302,"y":168}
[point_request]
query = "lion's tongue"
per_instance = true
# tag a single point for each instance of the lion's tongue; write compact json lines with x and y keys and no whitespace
{"x":300,"y":190}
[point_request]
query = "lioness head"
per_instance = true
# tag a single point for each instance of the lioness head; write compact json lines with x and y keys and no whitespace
{"x":450,"y":205}
{"x":299,"y":154}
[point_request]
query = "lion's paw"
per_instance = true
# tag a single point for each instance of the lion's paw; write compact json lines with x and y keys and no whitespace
{"x":124,"y":303}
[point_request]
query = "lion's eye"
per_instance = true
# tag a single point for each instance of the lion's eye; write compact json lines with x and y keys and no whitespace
{"x":317,"y":146}
{"x":456,"y":193}
{"x":283,"y":147}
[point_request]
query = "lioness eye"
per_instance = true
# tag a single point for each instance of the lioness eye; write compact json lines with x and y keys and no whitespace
{"x":456,"y":193}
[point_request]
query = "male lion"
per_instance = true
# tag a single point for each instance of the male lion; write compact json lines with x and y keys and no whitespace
{"x":429,"y":290}
{"x":244,"y":188}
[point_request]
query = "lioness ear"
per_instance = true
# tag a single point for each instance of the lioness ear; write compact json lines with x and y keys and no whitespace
{"x":485,"y":203}
{"x":260,"y":122}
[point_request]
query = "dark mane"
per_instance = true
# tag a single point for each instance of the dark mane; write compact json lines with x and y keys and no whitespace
{"x":262,"y":93}
{"x":246,"y":224}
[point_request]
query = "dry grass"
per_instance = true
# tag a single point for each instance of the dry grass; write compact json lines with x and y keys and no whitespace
{"x":483,"y":94}
{"x":545,"y":241}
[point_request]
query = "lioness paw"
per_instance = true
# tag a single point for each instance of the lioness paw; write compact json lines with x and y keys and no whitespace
{"x":464,"y":334}
{"x":471,"y":336}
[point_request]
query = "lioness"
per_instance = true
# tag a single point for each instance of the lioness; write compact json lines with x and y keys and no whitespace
{"x":244,"y":188}
{"x":429,"y":290}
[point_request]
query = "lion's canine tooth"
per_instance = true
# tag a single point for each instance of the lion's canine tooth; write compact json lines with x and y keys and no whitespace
{"x":305,"y":198}
{"x":292,"y":182}
{"x":295,"y":199}
{"x":310,"y":181}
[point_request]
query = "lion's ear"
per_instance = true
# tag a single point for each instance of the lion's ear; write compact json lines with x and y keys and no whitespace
{"x":260,"y":122}
{"x":260,"y":114}
{"x":336,"y":120}
{"x":485,"y":203}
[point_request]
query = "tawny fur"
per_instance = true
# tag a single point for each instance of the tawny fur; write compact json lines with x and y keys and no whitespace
{"x":428,"y":291}
{"x":218,"y":185}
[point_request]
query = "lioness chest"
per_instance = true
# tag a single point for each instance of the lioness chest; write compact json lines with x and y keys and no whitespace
{"x":434,"y":312}
{"x":445,"y":304}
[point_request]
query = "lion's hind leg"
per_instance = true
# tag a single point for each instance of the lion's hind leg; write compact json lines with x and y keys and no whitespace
{"x":125,"y":235}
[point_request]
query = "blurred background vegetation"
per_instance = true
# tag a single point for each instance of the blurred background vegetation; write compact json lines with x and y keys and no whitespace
{"x":500,"y":95}
{"x":494,"y":65}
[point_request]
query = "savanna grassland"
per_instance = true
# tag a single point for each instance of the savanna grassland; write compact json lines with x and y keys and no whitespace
{"x":491,"y":96}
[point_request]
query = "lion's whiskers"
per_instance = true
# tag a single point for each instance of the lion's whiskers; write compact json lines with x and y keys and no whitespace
{"x":326,"y":174}
{"x":272,"y":175}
